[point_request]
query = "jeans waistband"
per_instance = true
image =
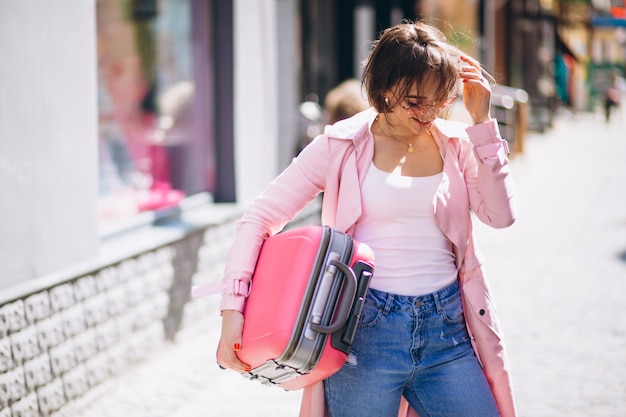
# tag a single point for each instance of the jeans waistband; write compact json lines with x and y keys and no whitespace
{"x":390,"y":302}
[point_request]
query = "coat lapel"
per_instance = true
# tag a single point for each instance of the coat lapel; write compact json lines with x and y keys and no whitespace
{"x":451,"y":204}
{"x":349,"y":195}
{"x":357,"y":149}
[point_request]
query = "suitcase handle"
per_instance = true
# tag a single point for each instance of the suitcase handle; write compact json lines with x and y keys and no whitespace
{"x":345,"y":305}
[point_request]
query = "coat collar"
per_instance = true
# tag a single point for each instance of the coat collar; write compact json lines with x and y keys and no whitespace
{"x":359,"y":129}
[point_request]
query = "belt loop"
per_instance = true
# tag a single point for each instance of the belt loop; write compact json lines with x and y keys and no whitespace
{"x":389,"y":303}
{"x":436,"y":296}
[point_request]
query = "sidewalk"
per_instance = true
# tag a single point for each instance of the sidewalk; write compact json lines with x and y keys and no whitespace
{"x":558,"y":276}
{"x":183,"y":380}
{"x":559,"y":272}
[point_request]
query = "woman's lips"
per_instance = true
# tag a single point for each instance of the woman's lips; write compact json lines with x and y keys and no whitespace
{"x":423,"y":123}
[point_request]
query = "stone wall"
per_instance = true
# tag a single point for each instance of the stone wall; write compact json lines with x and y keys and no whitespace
{"x":57,"y":343}
{"x":64,"y":338}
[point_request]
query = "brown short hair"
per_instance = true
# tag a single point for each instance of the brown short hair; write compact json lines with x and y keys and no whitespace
{"x":403,"y":57}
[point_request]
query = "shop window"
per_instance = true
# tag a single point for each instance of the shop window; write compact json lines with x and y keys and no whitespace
{"x":154,"y":147}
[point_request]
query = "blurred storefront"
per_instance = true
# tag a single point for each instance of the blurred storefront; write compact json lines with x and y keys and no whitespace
{"x":129,"y":131}
{"x":155,"y":145}
{"x":596,"y":32}
{"x":607,"y":60}
{"x":531,"y":49}
{"x":167,"y":80}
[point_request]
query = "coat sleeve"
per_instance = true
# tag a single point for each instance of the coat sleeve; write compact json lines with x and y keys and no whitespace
{"x":280,"y":202}
{"x":488,"y":176}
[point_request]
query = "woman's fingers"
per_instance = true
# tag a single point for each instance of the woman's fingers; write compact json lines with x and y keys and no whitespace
{"x":472,"y":72}
{"x":470,"y":60}
{"x":230,"y":342}
{"x":476,"y":90}
{"x":229,"y":359}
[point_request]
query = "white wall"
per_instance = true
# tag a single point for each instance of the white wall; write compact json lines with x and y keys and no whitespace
{"x":289,"y":69}
{"x":256,"y":97}
{"x":48,"y":136}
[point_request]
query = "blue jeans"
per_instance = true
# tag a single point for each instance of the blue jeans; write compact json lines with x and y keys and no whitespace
{"x":416,"y":347}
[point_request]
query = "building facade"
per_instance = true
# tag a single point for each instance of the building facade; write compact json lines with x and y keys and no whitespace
{"x":133,"y":133}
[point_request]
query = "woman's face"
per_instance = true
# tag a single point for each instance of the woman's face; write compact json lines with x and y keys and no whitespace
{"x":417,"y":110}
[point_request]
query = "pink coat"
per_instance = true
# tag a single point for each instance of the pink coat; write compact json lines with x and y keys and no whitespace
{"x":476,"y":177}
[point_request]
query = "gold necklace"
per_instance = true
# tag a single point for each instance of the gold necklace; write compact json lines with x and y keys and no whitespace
{"x":410,"y":148}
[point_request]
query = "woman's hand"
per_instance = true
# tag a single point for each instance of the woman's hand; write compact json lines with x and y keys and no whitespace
{"x":476,"y":90}
{"x":230,"y":341}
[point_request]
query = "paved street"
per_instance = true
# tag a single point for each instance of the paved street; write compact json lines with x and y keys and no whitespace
{"x":560,"y":272}
{"x":559,"y":277}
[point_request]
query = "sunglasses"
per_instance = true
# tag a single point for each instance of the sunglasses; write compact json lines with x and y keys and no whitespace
{"x":425,"y":112}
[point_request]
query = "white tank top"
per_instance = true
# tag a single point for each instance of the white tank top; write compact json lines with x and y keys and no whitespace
{"x":413,"y":256}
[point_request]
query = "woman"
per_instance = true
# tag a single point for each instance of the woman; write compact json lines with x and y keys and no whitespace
{"x":403,"y":181}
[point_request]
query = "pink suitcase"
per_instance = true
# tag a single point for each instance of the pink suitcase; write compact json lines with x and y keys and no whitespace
{"x":305,"y":302}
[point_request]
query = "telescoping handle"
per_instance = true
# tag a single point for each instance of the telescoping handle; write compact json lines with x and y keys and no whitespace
{"x":345,"y":304}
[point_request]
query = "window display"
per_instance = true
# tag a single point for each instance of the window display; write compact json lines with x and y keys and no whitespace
{"x":147,"y":122}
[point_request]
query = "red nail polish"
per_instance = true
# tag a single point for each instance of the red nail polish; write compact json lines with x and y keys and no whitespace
{"x":236,"y":346}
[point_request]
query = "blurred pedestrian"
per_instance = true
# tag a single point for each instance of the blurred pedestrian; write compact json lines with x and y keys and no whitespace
{"x":402,"y":180}
{"x":612,"y":95}
{"x":345,"y":100}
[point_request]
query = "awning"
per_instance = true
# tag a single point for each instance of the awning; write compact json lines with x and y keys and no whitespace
{"x":563,"y":47}
{"x":607,"y":21}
